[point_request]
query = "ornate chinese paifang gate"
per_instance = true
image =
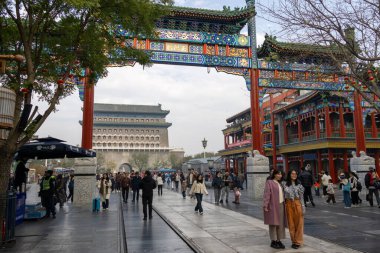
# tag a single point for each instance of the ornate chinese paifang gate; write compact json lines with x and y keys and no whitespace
{"x":209,"y":38}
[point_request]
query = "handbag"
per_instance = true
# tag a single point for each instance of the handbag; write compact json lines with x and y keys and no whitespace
{"x":377,"y":185}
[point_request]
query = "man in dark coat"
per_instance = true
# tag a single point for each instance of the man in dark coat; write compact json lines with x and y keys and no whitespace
{"x":135,"y":182}
{"x":147,"y":185}
{"x":21,"y":173}
{"x":307,"y":182}
{"x":47,"y":190}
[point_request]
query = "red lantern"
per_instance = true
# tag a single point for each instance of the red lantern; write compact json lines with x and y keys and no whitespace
{"x":371,"y":78}
{"x":24,"y":90}
{"x":346,"y":87}
{"x":369,"y":71}
{"x":71,"y":76}
{"x":60,"y":82}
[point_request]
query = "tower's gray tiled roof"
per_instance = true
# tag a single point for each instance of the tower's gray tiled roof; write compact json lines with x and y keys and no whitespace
{"x":154,"y":109}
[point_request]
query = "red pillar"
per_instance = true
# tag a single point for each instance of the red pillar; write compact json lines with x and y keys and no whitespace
{"x":359,"y":128}
{"x":88,"y":112}
{"x":317,"y":129}
{"x":301,"y":160}
{"x":299,"y":129}
{"x":377,"y":163}
{"x":345,"y":161}
{"x":255,"y":112}
{"x":274,"y":151}
{"x":319,"y":160}
{"x":342,"y":128}
{"x":235,"y":166}
{"x":332,"y":167}
{"x":286,"y":163}
{"x":225,"y":142}
{"x":327,"y":122}
{"x":374,"y":127}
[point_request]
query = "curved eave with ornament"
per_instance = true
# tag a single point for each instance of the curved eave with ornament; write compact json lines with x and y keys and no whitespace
{"x":204,"y":20}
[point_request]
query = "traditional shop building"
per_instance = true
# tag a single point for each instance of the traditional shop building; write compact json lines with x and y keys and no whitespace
{"x":300,"y":127}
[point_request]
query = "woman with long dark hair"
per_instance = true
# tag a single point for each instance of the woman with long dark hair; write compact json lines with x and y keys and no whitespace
{"x":199,"y":188}
{"x":295,"y":210}
{"x":274,"y":209}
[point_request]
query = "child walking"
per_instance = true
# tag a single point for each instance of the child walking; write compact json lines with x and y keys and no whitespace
{"x":237,"y":195}
{"x":330,"y":192}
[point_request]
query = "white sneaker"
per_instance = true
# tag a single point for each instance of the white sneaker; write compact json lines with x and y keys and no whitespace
{"x":201,"y":213}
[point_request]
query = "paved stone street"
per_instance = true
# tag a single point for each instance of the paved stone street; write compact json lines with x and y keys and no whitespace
{"x":76,"y":229}
{"x":224,"y":230}
{"x":356,"y":228}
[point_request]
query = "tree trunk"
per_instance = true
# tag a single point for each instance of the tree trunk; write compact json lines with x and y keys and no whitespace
{"x":6,"y":159}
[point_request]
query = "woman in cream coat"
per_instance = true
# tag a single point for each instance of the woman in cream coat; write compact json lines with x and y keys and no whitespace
{"x":199,"y":188}
{"x":104,"y":186}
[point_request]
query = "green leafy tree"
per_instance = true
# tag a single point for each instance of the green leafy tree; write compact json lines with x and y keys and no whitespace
{"x":50,"y":43}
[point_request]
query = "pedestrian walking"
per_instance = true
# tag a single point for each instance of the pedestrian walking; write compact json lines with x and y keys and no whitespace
{"x":226,"y":187}
{"x":199,"y":188}
{"x":346,"y":188}
{"x":330,"y":192}
{"x":104,"y":186}
{"x":372,"y":183}
{"x":237,"y":193}
{"x":47,"y":190}
{"x":177,"y":179}
{"x":317,"y":186}
{"x":354,"y":189}
{"x":217,"y":183}
{"x":274,"y":209}
{"x":295,"y":209}
{"x":190,"y":179}
{"x":183,"y":184}
{"x":60,"y":190}
{"x":71,"y":189}
{"x":160,"y":183}
{"x":307,"y":182}
{"x":125,"y":184}
{"x":147,"y":185}
{"x":325,"y":181}
{"x":135,"y":183}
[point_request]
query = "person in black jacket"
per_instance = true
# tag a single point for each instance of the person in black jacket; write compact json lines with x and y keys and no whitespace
{"x":135,"y":182}
{"x":217,"y":183}
{"x":147,"y":185}
{"x":307,"y":182}
{"x":21,"y":173}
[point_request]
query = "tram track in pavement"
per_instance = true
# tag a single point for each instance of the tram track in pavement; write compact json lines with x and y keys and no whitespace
{"x":156,"y":235}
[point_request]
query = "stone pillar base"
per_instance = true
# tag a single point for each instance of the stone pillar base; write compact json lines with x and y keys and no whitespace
{"x":85,"y":181}
{"x":257,"y":173}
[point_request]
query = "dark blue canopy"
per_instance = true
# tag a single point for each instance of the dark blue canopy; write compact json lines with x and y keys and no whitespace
{"x":50,"y":148}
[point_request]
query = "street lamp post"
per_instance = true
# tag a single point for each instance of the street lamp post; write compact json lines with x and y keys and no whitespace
{"x":204,"y":144}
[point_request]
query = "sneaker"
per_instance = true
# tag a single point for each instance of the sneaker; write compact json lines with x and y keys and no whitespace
{"x":226,"y":200}
{"x":201,"y":213}
{"x":144,"y":218}
{"x":221,"y":202}
{"x":280,"y":245}
{"x":274,"y":245}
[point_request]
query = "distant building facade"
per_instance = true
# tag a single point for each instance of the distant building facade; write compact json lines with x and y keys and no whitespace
{"x":120,"y":130}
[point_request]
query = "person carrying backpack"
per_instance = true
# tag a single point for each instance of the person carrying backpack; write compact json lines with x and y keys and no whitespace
{"x":371,"y":181}
{"x":354,"y":189}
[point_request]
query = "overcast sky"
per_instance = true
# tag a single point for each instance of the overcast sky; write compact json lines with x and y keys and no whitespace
{"x":199,"y":102}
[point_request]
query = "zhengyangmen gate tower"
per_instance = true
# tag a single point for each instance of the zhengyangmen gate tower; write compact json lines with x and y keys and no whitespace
{"x":211,"y":38}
